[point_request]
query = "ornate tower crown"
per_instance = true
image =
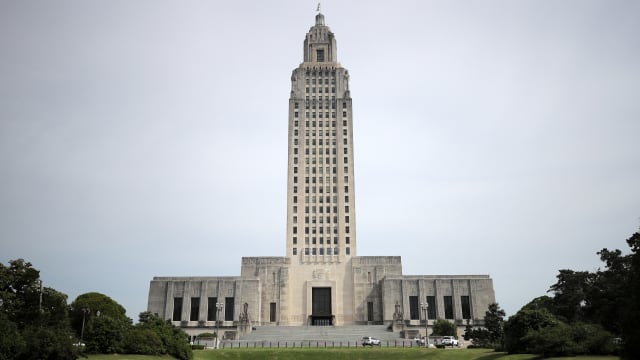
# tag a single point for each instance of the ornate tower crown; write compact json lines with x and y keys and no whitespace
{"x":320,"y":44}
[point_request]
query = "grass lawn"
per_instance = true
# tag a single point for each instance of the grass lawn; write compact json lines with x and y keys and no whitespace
{"x":347,"y":354}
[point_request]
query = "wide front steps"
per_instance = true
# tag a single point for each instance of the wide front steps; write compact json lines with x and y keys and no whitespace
{"x":351,"y":333}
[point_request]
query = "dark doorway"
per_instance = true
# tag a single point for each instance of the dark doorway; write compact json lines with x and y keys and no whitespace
{"x":321,"y":306}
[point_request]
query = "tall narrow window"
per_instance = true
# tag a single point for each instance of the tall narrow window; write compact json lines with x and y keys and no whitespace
{"x":370,"y":311}
{"x":448,"y":307}
{"x":414,"y":313}
{"x":195,"y":309}
{"x":272,"y":312}
{"x":431,"y":311}
{"x":228,"y":309}
{"x":177,"y":309}
{"x":320,"y":55}
{"x":211,"y":309}
{"x":466,"y":307}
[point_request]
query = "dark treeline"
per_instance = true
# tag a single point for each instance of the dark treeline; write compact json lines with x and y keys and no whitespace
{"x":586,"y":313}
{"x":37,"y":323}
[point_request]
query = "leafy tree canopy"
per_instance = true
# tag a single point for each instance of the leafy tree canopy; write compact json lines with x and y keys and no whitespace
{"x":174,"y":340}
{"x":442,"y":327}
{"x":34,"y":320}
{"x":91,"y":305}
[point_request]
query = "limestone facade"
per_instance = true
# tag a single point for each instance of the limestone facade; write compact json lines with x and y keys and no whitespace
{"x":321,"y":280}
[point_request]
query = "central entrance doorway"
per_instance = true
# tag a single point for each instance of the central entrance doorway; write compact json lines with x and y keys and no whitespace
{"x":321,"y":306}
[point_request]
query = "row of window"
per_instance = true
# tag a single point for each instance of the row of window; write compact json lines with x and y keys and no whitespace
{"x":319,"y":142}
{"x":321,"y":251}
{"x":313,"y":103}
{"x":318,"y":151}
{"x":320,"y":219}
{"x":319,"y":90}
{"x":326,"y":80}
{"x":318,"y":200}
{"x":229,"y":303}
{"x":318,"y":209}
{"x":414,"y":307}
{"x":320,"y":72}
{"x":313,"y":133}
{"x":319,"y":170}
{"x":313,"y":141}
{"x":319,"y":179}
{"x":318,"y":160}
{"x":319,"y":189}
{"x":313,"y":199}
{"x":320,"y":123}
{"x":320,"y":230}
{"x":321,"y":240}
{"x":314,"y":100}
{"x":212,"y":311}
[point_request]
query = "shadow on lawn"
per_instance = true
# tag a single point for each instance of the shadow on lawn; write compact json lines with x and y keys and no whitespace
{"x":495,"y":356}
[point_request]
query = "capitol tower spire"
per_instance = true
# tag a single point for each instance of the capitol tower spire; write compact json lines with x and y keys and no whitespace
{"x":321,"y":194}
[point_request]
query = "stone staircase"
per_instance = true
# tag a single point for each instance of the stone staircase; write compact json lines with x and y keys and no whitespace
{"x":301,"y":334}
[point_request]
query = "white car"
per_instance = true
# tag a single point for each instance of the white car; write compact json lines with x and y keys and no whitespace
{"x":368,"y":340}
{"x":449,"y":340}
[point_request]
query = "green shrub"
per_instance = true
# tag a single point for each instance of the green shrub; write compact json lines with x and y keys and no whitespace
{"x":569,"y":340}
{"x":143,"y":342}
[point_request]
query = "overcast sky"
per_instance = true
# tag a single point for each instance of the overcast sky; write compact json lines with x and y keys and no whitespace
{"x":149,"y":138}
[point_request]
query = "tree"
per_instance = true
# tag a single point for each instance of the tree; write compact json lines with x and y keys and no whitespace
{"x":540,"y":303}
{"x":33,"y":316}
{"x":442,"y":327}
{"x":479,"y":336}
{"x":48,"y":343}
{"x":106,"y":334}
{"x":552,"y":340}
{"x":492,"y":334}
{"x":89,"y":305}
{"x":563,"y":339}
{"x":20,"y":292}
{"x":630,"y":329}
{"x":570,"y":294}
{"x":101,"y":321}
{"x":494,"y":322}
{"x":606,"y":297}
{"x":11,"y":342}
{"x":174,"y":340}
{"x":519,"y":325}
{"x":587,"y":310}
{"x":142,"y":341}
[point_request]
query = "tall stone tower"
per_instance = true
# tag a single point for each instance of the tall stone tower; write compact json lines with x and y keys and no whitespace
{"x":320,"y":196}
{"x":320,"y":280}
{"x":321,"y":223}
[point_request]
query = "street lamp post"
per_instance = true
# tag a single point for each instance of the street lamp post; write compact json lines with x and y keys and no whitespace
{"x":219,"y":307}
{"x":85,"y":311}
{"x":425,"y":307}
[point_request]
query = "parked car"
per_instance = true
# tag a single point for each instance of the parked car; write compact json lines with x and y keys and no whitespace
{"x":449,"y":340}
{"x":368,"y":340}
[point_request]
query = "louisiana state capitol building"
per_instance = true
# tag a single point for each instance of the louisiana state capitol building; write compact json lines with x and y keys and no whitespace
{"x":321,"y":280}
